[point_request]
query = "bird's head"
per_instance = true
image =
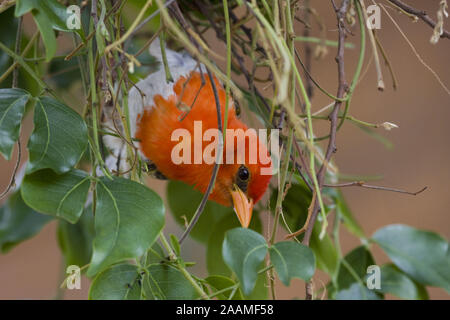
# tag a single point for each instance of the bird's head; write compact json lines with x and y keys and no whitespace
{"x":245,"y":173}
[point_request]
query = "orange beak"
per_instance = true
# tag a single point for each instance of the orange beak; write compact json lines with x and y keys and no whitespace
{"x":242,"y":206}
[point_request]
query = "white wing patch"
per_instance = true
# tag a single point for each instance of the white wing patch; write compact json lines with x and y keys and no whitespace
{"x":180,"y":65}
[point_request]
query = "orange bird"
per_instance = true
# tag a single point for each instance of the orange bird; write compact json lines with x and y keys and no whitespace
{"x":157,"y":108}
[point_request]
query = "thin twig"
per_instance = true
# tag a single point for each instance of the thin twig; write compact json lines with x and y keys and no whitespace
{"x":308,"y":51}
{"x":342,"y":87}
{"x":174,"y":8}
{"x":16,"y":63}
{"x":150,"y":17}
{"x":416,"y":53}
{"x":130,"y":30}
{"x":18,"y":43}
{"x":212,"y":180}
{"x":89,"y":37}
{"x":421,"y":14}
{"x":364,"y":185}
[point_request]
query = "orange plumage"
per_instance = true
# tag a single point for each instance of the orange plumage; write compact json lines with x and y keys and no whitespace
{"x":157,"y":108}
{"x":156,"y":125}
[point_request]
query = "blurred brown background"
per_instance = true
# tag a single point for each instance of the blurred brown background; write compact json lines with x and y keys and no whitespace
{"x":420,"y":157}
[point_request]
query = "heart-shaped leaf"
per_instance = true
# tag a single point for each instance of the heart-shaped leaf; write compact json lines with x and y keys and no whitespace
{"x":128,"y":219}
{"x":214,"y":260}
{"x":359,"y":259}
{"x":18,"y":222}
{"x":59,"y":195}
{"x":394,"y":281}
{"x":423,"y":255}
{"x":120,"y":282}
{"x":243,"y":251}
{"x":295,"y":211}
{"x":163,"y":281}
{"x":12,"y":108}
{"x":292,"y":260}
{"x":59,"y":137}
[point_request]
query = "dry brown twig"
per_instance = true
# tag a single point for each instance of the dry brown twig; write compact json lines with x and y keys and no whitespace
{"x":421,"y":14}
{"x":331,"y":148}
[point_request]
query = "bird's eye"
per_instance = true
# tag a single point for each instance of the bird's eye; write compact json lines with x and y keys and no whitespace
{"x":243,"y":173}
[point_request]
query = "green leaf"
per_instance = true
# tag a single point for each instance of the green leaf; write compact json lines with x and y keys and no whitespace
{"x":24,"y":6}
{"x":154,"y":255}
{"x":214,"y":259}
{"x":292,"y":260}
{"x":12,"y":108}
{"x":396,"y":282}
{"x":350,"y":283}
{"x":166,"y":282}
{"x":358,"y":259}
{"x":243,"y":251}
{"x":18,"y":222}
{"x":325,"y":252}
{"x":75,"y":240}
{"x":48,"y":15}
{"x":54,"y":11}
{"x":128,"y":219}
{"x":59,"y":195}
{"x":295,"y":211}
{"x":120,"y":282}
{"x":260,"y":291}
{"x":48,"y":35}
{"x":183,"y":202}
{"x":295,"y":205}
{"x":346,"y":214}
{"x":357,"y":292}
{"x":423,"y":255}
{"x":221,"y":283}
{"x":59,"y":137}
